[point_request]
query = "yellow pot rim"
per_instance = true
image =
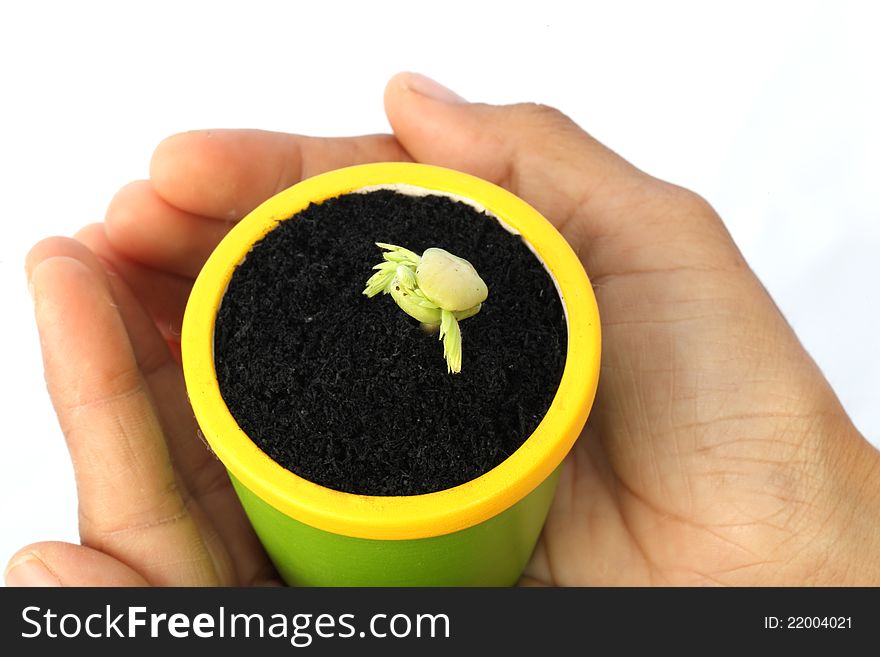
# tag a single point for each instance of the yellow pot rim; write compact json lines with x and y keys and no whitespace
{"x":403,"y":517}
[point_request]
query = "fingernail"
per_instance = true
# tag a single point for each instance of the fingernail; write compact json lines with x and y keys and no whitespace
{"x":425,"y":86}
{"x":28,"y":570}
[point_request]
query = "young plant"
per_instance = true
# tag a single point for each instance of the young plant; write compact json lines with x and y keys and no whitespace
{"x":436,"y":288}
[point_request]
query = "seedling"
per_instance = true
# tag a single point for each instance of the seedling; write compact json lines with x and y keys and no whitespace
{"x":436,"y":288}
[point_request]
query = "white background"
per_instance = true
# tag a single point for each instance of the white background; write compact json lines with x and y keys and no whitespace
{"x":769,"y":110}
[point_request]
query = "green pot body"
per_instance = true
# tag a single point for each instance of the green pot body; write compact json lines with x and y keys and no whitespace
{"x":491,"y":553}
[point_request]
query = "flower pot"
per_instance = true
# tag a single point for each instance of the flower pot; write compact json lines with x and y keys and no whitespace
{"x":481,"y":532}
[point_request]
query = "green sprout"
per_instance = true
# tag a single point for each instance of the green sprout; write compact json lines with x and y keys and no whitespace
{"x":436,"y":288}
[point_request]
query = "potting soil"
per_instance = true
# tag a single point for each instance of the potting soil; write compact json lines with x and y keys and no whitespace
{"x":350,"y":392}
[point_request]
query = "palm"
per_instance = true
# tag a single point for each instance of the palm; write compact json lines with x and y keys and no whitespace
{"x":687,"y":472}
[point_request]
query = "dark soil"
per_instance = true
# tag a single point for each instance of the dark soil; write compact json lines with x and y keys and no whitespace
{"x":349,"y":392}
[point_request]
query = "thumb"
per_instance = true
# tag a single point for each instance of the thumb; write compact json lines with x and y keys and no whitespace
{"x":613,"y":214}
{"x":63,"y":564}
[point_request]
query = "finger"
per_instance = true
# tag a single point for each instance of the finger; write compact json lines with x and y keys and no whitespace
{"x":145,"y":228}
{"x":150,"y":350}
{"x":130,"y":504}
{"x":202,"y":474}
{"x":162,"y":294}
{"x":159,"y":370}
{"x":225,"y":174}
{"x":595,"y":198}
{"x":63,"y":564}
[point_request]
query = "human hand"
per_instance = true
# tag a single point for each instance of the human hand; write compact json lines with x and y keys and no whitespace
{"x":155,"y":506}
{"x":715,"y":451}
